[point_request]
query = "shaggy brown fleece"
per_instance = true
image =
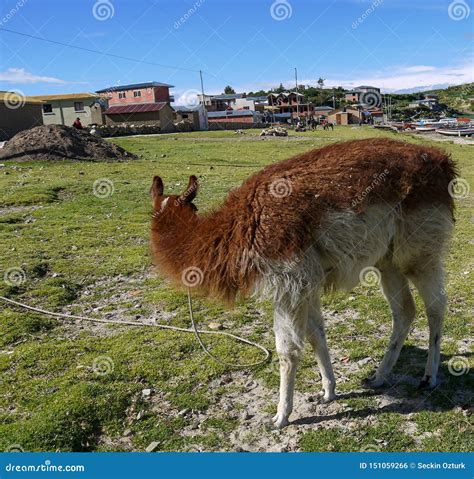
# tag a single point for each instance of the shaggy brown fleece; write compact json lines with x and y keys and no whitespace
{"x":276,"y":212}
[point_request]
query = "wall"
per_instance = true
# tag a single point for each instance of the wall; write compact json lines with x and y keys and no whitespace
{"x":232,"y":119}
{"x":13,"y":121}
{"x":64,"y":113}
{"x":163,"y":118}
{"x":235,"y":125}
{"x":148,"y":95}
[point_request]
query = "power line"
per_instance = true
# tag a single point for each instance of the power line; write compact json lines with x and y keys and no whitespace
{"x":90,"y":50}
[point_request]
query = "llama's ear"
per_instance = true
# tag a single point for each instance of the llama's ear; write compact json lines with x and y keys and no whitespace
{"x":191,"y":190}
{"x":157,"y":187}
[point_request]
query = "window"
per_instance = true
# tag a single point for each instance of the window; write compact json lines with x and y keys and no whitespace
{"x":122,"y":94}
{"x":137,"y":94}
{"x":185,"y":116}
{"x":47,"y":108}
{"x":78,"y":106}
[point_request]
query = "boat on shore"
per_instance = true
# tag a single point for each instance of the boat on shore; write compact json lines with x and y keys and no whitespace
{"x":469,"y":131}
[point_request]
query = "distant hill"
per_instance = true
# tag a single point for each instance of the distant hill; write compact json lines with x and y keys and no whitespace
{"x":460,"y":97}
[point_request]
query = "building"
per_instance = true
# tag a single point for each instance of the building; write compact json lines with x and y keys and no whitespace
{"x":18,"y":113}
{"x":430,"y":100}
{"x":195,"y":115}
{"x":289,"y":102}
{"x":346,"y":116}
{"x":234,"y":101}
{"x":364,"y":94}
{"x":140,"y":103}
{"x":322,"y":111}
{"x":234,"y":116}
{"x":63,"y":109}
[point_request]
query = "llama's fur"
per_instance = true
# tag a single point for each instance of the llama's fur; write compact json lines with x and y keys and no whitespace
{"x":344,"y":207}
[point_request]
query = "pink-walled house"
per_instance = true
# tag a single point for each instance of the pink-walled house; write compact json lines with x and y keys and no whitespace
{"x":140,"y":103}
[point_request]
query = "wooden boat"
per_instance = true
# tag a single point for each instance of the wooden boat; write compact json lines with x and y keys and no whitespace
{"x":456,"y":131}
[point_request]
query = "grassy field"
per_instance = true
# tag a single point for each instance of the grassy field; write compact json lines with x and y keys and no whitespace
{"x":74,"y":386}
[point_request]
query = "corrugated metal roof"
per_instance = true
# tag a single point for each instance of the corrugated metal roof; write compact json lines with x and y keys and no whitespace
{"x":65,"y":96}
{"x":321,"y":108}
{"x":135,"y":108}
{"x":134,"y":86}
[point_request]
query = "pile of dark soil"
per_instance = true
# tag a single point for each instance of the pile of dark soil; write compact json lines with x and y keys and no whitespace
{"x":56,"y":142}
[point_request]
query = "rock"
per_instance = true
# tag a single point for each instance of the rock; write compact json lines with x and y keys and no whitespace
{"x":163,"y":156}
{"x":152,"y":446}
{"x":146,"y":393}
{"x":364,"y":361}
{"x":183,"y":412}
{"x":127,"y":432}
{"x":215,"y":326}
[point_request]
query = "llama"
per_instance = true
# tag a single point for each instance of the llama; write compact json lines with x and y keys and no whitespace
{"x":311,"y":224}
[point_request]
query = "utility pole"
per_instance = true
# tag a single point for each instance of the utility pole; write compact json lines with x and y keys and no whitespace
{"x":297,"y":96}
{"x":206,"y":121}
{"x":334,"y":101}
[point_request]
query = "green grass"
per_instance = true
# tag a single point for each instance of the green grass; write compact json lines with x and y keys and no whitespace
{"x":74,"y":251}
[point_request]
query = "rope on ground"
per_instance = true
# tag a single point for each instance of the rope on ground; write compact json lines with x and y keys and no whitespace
{"x":194,"y":330}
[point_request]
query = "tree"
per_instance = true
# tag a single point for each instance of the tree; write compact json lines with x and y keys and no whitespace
{"x":321,"y":82}
{"x":228,"y":90}
{"x":280,"y":89}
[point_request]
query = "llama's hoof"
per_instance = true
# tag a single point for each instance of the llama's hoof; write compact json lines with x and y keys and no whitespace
{"x":323,"y":398}
{"x":280,"y":421}
{"x":372,"y":382}
{"x":427,"y":383}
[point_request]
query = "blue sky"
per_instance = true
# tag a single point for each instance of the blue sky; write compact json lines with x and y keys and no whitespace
{"x":249,"y":44}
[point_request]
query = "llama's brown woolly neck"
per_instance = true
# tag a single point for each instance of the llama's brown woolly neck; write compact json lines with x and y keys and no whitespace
{"x":207,"y":252}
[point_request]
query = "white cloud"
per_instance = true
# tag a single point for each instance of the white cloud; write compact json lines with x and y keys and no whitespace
{"x":411,"y":77}
{"x":21,"y":76}
{"x":392,"y":78}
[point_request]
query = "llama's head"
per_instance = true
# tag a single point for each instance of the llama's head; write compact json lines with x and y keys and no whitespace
{"x":164,"y":205}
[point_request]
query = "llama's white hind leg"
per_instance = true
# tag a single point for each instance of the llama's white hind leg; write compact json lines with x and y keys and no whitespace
{"x":290,"y":331}
{"x":317,"y":338}
{"x":397,"y":292}
{"x":430,"y":285}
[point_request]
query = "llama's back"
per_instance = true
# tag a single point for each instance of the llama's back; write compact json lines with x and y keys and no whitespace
{"x":348,"y":206}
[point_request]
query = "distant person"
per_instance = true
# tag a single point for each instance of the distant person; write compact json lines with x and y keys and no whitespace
{"x":77,"y":124}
